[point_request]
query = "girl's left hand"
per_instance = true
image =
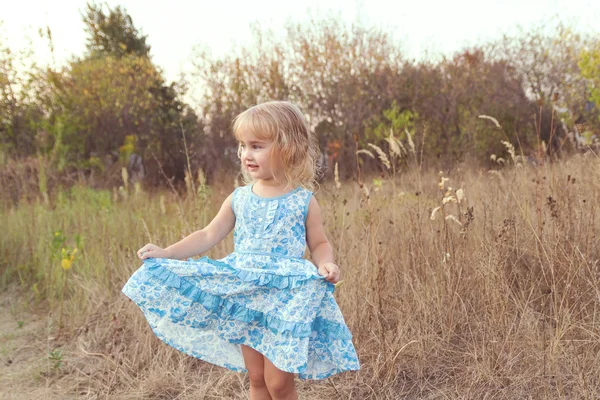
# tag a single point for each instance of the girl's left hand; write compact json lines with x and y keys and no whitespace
{"x":330,"y":271}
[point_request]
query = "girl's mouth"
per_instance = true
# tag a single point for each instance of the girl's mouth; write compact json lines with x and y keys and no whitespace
{"x":252,"y":167}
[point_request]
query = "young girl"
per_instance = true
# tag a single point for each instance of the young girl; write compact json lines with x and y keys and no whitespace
{"x":263,"y":309}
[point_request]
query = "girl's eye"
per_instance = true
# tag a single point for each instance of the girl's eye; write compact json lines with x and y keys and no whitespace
{"x":256,"y":147}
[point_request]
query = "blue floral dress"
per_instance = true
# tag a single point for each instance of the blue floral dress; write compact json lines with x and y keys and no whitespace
{"x":264,"y":295}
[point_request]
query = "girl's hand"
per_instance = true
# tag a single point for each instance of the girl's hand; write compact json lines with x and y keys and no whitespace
{"x":330,"y":271}
{"x":152,"y":251}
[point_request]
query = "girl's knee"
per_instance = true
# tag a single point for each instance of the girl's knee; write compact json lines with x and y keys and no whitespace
{"x":257,"y":377}
{"x":279,"y":385}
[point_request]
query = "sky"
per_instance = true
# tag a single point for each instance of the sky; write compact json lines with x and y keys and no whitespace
{"x":176,"y":27}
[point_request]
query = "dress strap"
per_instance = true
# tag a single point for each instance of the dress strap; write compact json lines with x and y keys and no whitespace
{"x":308,"y":195}
{"x":237,"y":192}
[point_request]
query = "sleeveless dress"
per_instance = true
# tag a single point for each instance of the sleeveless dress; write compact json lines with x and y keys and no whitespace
{"x":264,"y":295}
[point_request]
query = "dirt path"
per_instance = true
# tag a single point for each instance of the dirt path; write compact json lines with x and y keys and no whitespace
{"x":24,"y":361}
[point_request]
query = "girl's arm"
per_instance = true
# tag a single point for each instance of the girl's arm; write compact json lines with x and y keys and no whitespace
{"x":203,"y":240}
{"x":320,"y":250}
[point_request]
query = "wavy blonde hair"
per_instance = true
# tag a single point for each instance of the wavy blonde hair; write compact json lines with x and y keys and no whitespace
{"x":284,"y":124}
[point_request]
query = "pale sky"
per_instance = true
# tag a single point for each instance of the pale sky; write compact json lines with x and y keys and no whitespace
{"x":174,"y":27}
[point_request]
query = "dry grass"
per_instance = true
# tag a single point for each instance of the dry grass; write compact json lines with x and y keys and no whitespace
{"x":503,"y":305}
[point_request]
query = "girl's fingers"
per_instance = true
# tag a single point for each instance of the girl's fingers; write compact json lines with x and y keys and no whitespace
{"x":330,"y":273}
{"x":335,"y":278}
{"x":144,"y":250}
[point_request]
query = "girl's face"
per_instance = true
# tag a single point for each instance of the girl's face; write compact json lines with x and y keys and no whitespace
{"x":258,"y":157}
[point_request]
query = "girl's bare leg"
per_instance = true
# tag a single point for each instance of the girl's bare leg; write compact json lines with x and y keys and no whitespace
{"x":255,"y":365}
{"x":280,"y":384}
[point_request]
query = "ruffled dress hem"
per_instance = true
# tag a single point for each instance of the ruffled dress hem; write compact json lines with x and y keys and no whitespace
{"x":234,"y":368}
{"x":225,"y":309}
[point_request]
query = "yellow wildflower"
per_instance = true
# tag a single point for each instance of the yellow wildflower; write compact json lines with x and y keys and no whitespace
{"x":68,"y":258}
{"x":66,"y":264}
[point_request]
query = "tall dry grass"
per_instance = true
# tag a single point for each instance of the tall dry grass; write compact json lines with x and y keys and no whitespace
{"x":499,"y":302}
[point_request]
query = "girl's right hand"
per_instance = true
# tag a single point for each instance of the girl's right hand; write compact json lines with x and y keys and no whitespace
{"x":330,"y":271}
{"x":152,"y":251}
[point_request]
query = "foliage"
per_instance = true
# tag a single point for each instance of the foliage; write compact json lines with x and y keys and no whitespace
{"x":590,"y":69}
{"x":112,"y":33}
{"x":111,"y":108}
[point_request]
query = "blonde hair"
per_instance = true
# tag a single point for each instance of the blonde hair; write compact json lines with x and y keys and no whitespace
{"x":284,"y":124}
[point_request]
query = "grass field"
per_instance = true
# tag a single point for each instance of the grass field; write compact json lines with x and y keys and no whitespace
{"x":494,"y":295}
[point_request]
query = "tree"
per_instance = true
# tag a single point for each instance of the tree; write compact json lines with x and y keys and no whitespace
{"x":112,"y":33}
{"x":472,"y":84}
{"x":545,"y":59}
{"x":17,"y":112}
{"x":114,"y":100}
{"x":339,"y":75}
{"x":589,"y":63}
{"x":343,"y":76}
